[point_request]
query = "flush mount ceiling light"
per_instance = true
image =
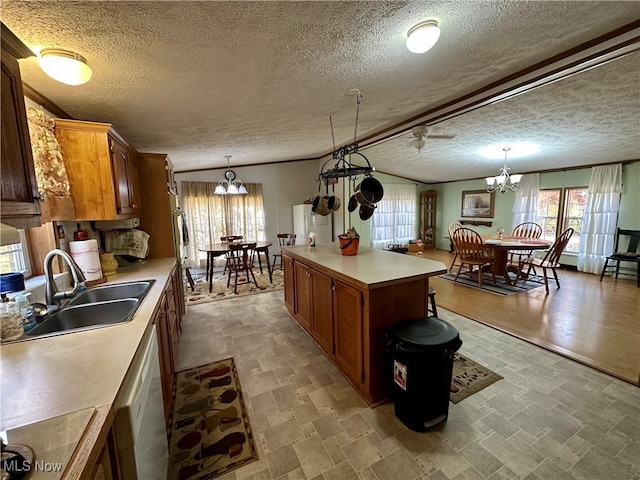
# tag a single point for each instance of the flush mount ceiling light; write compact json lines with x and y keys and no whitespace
{"x":234,"y":187}
{"x":423,"y":36}
{"x":64,"y":66}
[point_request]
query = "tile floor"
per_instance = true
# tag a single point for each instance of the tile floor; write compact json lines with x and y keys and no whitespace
{"x":549,"y":418}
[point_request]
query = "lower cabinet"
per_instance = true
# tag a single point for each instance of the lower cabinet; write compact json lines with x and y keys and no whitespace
{"x":167,"y":320}
{"x":348,"y":320}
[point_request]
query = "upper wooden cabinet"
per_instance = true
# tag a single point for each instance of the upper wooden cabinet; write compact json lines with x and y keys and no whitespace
{"x":19,"y":194}
{"x":428,"y":219}
{"x":102,"y":170}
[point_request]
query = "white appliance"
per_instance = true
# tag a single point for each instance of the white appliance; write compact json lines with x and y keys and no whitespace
{"x":305,"y":222}
{"x":139,"y":424}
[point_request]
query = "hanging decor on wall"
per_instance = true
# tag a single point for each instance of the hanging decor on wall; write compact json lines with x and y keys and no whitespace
{"x":351,"y":164}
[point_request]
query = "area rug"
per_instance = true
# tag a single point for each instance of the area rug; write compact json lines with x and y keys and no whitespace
{"x":469,"y":377}
{"x":220,"y":291}
{"x":210,"y":430}
{"x":500,"y":288}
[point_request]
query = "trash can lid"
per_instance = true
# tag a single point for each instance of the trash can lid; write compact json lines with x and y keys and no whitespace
{"x":428,"y":332}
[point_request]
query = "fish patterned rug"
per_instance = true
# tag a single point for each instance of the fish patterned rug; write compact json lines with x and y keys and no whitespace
{"x":210,"y":430}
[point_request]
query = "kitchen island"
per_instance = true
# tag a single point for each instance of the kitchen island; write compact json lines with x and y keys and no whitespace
{"x":347,"y":303}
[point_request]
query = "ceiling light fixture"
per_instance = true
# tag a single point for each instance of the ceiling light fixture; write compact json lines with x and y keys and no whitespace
{"x":64,"y":66}
{"x":423,"y":36}
{"x":504,"y":181}
{"x":234,"y":187}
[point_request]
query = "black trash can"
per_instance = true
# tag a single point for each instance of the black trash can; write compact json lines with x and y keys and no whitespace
{"x":421,"y":355}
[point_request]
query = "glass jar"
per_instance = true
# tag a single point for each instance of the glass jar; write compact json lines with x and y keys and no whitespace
{"x":11,"y":327}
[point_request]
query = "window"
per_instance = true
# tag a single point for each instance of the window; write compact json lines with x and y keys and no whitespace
{"x":210,"y":216}
{"x":394,"y":219}
{"x":559,"y":209}
{"x":15,"y":257}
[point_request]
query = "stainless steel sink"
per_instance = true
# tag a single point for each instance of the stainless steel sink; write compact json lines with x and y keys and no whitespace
{"x":88,"y":315}
{"x":117,"y":291}
{"x":95,"y":307}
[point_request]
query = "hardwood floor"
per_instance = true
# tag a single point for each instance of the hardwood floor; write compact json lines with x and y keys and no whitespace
{"x":595,"y":323}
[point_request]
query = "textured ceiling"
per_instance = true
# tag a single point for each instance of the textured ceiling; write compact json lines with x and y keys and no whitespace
{"x":258,"y":80}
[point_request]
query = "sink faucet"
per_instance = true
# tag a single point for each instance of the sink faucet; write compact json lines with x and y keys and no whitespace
{"x":51,"y":293}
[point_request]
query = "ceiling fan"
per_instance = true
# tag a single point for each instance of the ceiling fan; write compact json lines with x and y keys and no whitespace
{"x":421,"y":133}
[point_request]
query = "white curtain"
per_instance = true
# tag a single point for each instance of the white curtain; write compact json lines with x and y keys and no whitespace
{"x":600,"y":218}
{"x":394,"y":219}
{"x":526,"y":199}
{"x":209,"y":217}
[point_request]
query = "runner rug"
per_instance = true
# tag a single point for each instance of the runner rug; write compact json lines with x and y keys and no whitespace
{"x":220,"y":291}
{"x":469,"y":377}
{"x":210,"y":430}
{"x":500,"y":288}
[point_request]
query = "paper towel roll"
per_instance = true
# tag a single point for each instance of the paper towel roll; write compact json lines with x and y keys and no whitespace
{"x":85,"y":254}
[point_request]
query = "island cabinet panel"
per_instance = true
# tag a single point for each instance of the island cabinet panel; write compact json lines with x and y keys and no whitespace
{"x":349,"y":333}
{"x":322,"y":321}
{"x":289,"y":300}
{"x":303,"y":292}
{"x":347,"y":304}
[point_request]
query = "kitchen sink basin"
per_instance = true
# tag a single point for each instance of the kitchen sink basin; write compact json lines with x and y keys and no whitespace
{"x":95,"y":307}
{"x":88,"y":315}
{"x":116,"y":291}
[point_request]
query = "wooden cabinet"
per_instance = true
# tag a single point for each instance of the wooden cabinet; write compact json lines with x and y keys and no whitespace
{"x":167,"y":320}
{"x":314,"y":304}
{"x":19,"y":194}
{"x":347,"y":308}
{"x":428,"y":219}
{"x":102,"y":170}
{"x":289,"y":300}
{"x":348,"y":319}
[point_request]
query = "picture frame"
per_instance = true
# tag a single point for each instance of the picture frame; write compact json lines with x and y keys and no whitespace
{"x":477,"y":204}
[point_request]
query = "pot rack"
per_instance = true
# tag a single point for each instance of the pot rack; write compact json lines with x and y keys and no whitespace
{"x":344,"y":168}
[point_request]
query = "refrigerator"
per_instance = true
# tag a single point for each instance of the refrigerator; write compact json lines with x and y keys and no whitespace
{"x":305,"y":222}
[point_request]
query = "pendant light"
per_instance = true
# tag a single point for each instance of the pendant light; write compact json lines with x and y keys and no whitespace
{"x":504,"y":181}
{"x":233,"y":186}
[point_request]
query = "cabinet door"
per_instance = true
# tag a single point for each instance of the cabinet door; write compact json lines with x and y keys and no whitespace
{"x":304,"y":302}
{"x":287,"y":264}
{"x":348,"y":333}
{"x":164,"y":352}
{"x":121,"y":162}
{"x":322,"y":326}
{"x":428,"y":219}
{"x":20,"y":199}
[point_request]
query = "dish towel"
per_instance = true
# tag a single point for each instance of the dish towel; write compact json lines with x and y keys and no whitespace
{"x":132,"y":242}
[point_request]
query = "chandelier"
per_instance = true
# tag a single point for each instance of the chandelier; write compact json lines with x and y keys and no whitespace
{"x":504,"y":181}
{"x":233,"y":186}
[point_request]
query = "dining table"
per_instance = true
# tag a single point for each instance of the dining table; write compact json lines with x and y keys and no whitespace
{"x":501,"y":248}
{"x":222,"y":248}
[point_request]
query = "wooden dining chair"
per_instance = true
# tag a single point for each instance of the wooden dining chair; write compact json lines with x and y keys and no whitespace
{"x":284,"y":240}
{"x":630,"y":255}
{"x":228,"y":239}
{"x":453,"y":226}
{"x":240,"y":262}
{"x":550,"y":261}
{"x":524,"y":230}
{"x":472,"y":252}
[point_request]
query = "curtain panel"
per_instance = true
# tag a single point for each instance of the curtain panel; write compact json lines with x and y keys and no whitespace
{"x":394,"y":219}
{"x":598,"y":235}
{"x":526,"y":199}
{"x":209,"y":216}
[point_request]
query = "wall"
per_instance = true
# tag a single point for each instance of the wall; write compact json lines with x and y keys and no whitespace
{"x":287,"y":184}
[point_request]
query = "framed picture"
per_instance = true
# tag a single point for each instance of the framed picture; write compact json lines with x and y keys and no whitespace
{"x":477,"y":203}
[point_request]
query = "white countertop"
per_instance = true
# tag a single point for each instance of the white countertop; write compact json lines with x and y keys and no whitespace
{"x":371,"y":266}
{"x":47,"y":377}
